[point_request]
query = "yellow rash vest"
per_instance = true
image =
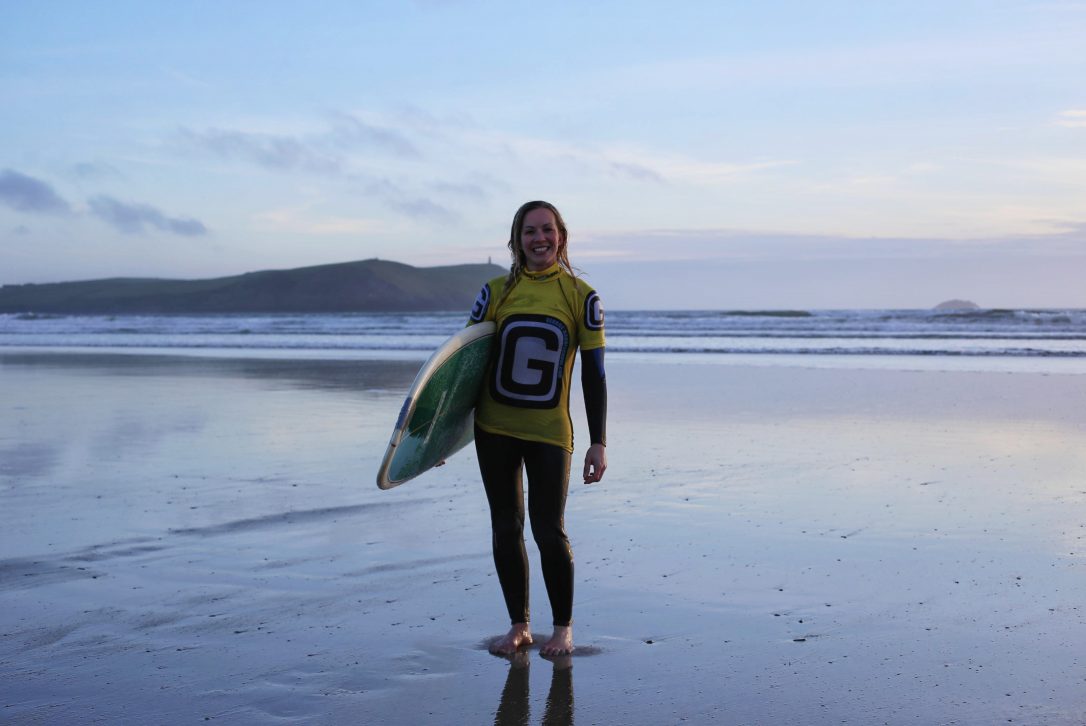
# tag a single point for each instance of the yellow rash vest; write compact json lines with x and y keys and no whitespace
{"x":541,"y":323}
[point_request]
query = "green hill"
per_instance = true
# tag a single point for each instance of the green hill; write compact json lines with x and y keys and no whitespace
{"x":364,"y":286}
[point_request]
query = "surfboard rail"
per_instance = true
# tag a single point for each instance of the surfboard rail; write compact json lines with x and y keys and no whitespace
{"x":436,"y":419}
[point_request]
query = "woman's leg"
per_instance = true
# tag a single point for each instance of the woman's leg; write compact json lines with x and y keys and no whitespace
{"x":548,"y":484}
{"x":500,"y":460}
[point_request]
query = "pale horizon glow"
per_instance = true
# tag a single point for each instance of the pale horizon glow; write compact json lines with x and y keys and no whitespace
{"x":706,"y":155}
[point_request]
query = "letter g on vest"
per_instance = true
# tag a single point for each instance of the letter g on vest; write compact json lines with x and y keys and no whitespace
{"x":593,"y":312}
{"x":482,"y":302}
{"x":531,"y":357}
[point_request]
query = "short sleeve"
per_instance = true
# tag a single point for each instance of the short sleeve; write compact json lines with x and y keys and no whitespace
{"x":590,"y":324}
{"x":482,"y":305}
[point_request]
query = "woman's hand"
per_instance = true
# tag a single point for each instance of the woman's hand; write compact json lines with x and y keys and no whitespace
{"x":595,"y":463}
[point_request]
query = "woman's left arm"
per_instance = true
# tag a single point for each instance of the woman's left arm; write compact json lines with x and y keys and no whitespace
{"x":594,"y":386}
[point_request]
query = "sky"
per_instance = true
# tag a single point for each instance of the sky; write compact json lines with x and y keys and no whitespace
{"x":714,"y":155}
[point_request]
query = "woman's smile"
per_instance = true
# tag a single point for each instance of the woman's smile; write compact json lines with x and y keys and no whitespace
{"x":540,"y":239}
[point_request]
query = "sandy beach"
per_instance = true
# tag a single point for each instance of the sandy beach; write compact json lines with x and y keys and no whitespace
{"x":189,"y":539}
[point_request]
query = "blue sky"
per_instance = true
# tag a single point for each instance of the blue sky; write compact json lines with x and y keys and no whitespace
{"x":712,"y":155}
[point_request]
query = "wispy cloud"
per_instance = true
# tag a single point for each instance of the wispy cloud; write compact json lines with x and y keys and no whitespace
{"x":434,"y":126}
{"x":1072,"y":118}
{"x":417,"y":207}
{"x":747,"y":245}
{"x":186,"y":79}
{"x":636,"y":172}
{"x":422,"y":208}
{"x":26,"y":194}
{"x":467,"y":190}
{"x":95,"y":170}
{"x":634,"y":164}
{"x":349,"y":131}
{"x":275,"y":152}
{"x":299,"y":220}
{"x":328,"y":154}
{"x":693,"y":171}
{"x":937,"y":58}
{"x":323,"y":152}
{"x":135,"y":218}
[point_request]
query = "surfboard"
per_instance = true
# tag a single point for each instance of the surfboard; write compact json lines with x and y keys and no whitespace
{"x":437,"y":417}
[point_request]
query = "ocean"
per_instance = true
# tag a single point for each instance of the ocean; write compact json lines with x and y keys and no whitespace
{"x":1026,"y":340}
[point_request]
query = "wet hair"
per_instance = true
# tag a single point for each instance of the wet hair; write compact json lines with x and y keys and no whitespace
{"x":517,"y":252}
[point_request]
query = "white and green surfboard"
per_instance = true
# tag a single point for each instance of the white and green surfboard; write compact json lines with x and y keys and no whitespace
{"x":437,"y":417}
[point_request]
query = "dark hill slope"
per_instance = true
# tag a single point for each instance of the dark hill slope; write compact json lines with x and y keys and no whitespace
{"x":365,"y":286}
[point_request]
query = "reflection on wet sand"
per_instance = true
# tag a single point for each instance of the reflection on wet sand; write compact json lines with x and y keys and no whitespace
{"x":317,"y":374}
{"x":514,"y":709}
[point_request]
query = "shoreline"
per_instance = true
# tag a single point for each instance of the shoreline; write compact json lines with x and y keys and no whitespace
{"x":1043,"y":365}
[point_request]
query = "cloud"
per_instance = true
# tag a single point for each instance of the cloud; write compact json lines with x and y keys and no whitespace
{"x":422,"y":208}
{"x":634,"y":164}
{"x":134,"y":218}
{"x":937,"y":58}
{"x":636,"y":172}
{"x":187,"y":80}
{"x":95,"y":170}
{"x":27,"y":194}
{"x":300,"y":220}
{"x":321,"y":153}
{"x":278,"y":153}
{"x":1070,"y":228}
{"x":1074,"y":118}
{"x":350,"y":131}
{"x":736,"y":245}
{"x":461,"y":189}
{"x":408,"y":204}
{"x":693,"y":171}
{"x":425,"y":123}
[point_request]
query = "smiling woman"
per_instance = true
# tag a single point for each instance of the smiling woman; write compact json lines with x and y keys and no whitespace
{"x":541,"y":239}
{"x":544,"y":313}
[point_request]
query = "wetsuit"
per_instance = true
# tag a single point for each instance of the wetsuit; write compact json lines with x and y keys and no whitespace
{"x":522,"y":422}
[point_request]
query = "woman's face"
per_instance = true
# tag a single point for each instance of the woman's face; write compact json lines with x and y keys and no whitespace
{"x":540,"y":239}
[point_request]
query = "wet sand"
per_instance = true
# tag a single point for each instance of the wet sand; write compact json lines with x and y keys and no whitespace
{"x":187,"y":538}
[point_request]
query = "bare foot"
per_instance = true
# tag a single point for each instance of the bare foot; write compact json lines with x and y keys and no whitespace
{"x":561,"y":643}
{"x":517,"y":636}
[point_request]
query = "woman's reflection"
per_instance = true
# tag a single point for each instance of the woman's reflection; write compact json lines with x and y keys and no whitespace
{"x":515,"y":708}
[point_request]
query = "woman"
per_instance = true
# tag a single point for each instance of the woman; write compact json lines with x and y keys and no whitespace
{"x":544,"y":313}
